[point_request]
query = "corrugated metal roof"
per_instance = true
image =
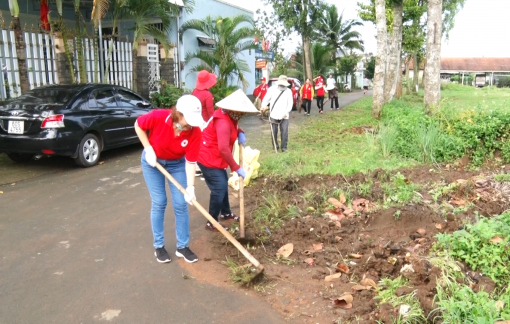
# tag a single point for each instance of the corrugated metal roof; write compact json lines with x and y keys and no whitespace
{"x":207,"y":40}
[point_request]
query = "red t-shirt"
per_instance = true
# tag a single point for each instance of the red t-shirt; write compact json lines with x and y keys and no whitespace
{"x":260,"y":91}
{"x":207,"y":100}
{"x":165,"y":143}
{"x":320,"y":91}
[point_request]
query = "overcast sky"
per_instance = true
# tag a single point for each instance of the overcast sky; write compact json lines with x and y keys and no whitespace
{"x":481,"y":28}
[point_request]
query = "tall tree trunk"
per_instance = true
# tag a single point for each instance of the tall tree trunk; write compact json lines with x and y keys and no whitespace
{"x":21,"y":54}
{"x":96,"y":55}
{"x":134,"y":85}
{"x":408,"y":79}
{"x":394,"y":54}
{"x":416,"y":71}
{"x":380,"y":61}
{"x":424,"y":77}
{"x":79,"y":46}
{"x":308,"y":58}
{"x":398,"y":92}
{"x":433,"y":61}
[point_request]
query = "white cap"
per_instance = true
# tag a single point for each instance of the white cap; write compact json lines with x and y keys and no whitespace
{"x":237,"y":101}
{"x":191,"y":108}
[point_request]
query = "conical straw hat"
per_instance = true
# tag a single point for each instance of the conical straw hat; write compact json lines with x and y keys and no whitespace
{"x":237,"y":101}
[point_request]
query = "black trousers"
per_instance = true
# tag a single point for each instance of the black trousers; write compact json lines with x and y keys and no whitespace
{"x":320,"y":102}
{"x":335,"y":99}
{"x":307,"y":103}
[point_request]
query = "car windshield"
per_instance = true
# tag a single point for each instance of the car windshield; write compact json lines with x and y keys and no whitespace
{"x":47,"y":96}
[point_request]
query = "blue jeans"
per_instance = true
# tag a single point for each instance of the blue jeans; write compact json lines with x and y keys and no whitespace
{"x":155,"y":181}
{"x":217,"y":181}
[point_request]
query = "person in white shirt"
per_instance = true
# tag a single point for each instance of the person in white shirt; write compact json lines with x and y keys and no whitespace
{"x":366,"y":83}
{"x":332,"y":91}
{"x":279,"y":98}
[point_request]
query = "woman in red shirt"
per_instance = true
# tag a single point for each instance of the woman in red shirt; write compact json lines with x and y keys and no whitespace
{"x":218,"y":139}
{"x":173,"y":141}
{"x":307,"y":94}
{"x":205,"y":81}
{"x":319,"y":87}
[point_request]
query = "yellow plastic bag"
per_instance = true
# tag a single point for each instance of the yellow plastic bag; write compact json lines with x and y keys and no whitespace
{"x":250,"y":166}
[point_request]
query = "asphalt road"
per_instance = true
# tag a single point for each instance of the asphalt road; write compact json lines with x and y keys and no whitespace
{"x":76,"y":247}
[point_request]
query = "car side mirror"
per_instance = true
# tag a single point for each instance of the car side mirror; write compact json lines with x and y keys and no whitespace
{"x":143,"y":104}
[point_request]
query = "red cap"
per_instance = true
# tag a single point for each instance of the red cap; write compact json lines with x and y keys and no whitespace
{"x":263,"y":79}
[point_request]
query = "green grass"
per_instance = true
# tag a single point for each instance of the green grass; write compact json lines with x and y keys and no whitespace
{"x":317,"y":146}
{"x":386,"y":293}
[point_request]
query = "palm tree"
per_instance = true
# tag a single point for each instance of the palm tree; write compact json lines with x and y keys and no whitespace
{"x":20,"y":45}
{"x":321,"y":59}
{"x":231,"y":40}
{"x":339,"y":33}
{"x":99,"y":10}
{"x":143,"y":13}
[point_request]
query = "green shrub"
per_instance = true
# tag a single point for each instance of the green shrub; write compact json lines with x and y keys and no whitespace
{"x":483,"y":246}
{"x":504,"y":82}
{"x":220,"y":93}
{"x":167,"y":95}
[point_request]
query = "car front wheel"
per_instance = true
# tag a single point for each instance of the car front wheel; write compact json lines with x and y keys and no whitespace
{"x":89,"y":151}
{"x":19,"y":157}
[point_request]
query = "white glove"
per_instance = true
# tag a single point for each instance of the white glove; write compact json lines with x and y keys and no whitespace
{"x":150,"y":156}
{"x":190,"y":194}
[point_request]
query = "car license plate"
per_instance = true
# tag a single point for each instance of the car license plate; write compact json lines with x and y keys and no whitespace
{"x":15,"y":127}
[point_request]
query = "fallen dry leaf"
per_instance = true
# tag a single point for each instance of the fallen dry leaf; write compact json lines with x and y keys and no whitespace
{"x":458,"y":202}
{"x":344,"y":301}
{"x":461,"y":181}
{"x":360,"y":205}
{"x":338,"y":238}
{"x":338,"y":224}
{"x":355,"y":255}
{"x":336,"y":203}
{"x":496,"y":239}
{"x":438,"y":226}
{"x":421,"y":240}
{"x":285,"y":250}
{"x":349,"y":212}
{"x":341,"y":198}
{"x":309,"y":261}
{"x":333,"y":277}
{"x":101,"y":163}
{"x":318,"y":246}
{"x":360,"y":287}
{"x":342,"y":268}
{"x":421,"y":231}
{"x":368,"y":282}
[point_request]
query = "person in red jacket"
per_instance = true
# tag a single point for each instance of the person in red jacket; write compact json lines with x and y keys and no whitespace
{"x":307,"y":95}
{"x":319,"y":87}
{"x":218,"y":139}
{"x":173,"y":141}
{"x":205,"y":81}
{"x":261,"y":90}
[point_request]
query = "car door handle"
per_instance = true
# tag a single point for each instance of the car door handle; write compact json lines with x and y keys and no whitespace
{"x":127,"y":112}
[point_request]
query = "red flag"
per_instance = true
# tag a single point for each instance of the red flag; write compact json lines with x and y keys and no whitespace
{"x":44,"y":15}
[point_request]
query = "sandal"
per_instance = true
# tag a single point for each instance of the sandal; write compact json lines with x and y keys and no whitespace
{"x":210,"y":227}
{"x":230,"y":216}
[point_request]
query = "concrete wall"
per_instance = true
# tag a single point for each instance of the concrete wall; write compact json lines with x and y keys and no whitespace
{"x":189,"y":43}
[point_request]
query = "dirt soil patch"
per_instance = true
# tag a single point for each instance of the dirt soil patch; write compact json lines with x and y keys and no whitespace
{"x":343,"y":246}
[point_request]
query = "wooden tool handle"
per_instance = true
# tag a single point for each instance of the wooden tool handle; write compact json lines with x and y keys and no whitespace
{"x":210,"y":218}
{"x":241,"y":195}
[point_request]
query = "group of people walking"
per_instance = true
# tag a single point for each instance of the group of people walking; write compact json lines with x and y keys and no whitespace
{"x":189,"y":134}
{"x":309,"y":91}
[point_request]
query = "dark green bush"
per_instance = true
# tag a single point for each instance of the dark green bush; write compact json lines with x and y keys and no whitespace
{"x":504,"y":82}
{"x":167,"y":95}
{"x":220,"y":93}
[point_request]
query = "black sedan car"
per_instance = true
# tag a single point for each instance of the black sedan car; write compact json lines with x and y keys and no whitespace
{"x":79,"y":121}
